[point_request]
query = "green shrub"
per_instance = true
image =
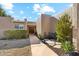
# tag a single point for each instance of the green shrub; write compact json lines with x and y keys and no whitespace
{"x":67,"y":46}
{"x":64,"y":33}
{"x":16,"y":34}
{"x":64,"y":29}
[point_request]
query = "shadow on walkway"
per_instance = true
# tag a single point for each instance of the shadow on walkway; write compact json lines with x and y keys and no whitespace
{"x":59,"y":51}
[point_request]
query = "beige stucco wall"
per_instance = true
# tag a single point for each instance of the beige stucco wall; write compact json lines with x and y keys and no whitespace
{"x":5,"y":24}
{"x":76,"y":20}
{"x":46,"y":24}
{"x":38,"y":26}
{"x":53,"y":21}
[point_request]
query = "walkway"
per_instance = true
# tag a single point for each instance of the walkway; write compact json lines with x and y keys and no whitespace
{"x":34,"y":39}
{"x":40,"y":49}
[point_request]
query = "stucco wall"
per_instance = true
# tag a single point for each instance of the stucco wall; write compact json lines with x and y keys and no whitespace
{"x":53,"y":22}
{"x":38,"y":26}
{"x":5,"y":24}
{"x":77,"y":25}
{"x":46,"y":24}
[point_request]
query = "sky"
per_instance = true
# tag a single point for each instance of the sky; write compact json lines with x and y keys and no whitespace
{"x":32,"y":11}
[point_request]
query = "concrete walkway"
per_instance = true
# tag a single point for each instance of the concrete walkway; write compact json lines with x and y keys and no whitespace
{"x":40,"y":49}
{"x":34,"y":39}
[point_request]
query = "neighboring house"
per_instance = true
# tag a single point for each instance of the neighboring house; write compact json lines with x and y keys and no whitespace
{"x":46,"y":24}
{"x":20,"y":25}
{"x":25,"y":25}
{"x":7,"y":23}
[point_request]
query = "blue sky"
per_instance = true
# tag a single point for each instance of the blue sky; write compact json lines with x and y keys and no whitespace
{"x":31,"y":11}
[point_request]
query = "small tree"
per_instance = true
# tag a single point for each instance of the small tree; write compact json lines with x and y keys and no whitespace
{"x":2,"y":12}
{"x":64,"y":30}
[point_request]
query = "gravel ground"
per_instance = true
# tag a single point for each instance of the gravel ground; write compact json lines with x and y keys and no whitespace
{"x":19,"y":47}
{"x":25,"y":51}
{"x":6,"y":44}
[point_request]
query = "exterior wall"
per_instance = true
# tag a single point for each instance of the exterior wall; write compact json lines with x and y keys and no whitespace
{"x":76,"y":33}
{"x":5,"y":24}
{"x":74,"y":14}
{"x":68,"y":11}
{"x":31,"y":23}
{"x":20,"y":23}
{"x":53,"y":22}
{"x":39,"y":26}
{"x":44,"y":24}
{"x":74,"y":21}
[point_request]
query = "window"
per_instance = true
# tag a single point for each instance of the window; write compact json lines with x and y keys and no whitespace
{"x":20,"y":26}
{"x":16,"y":26}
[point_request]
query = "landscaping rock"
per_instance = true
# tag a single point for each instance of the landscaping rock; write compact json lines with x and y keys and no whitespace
{"x":72,"y":54}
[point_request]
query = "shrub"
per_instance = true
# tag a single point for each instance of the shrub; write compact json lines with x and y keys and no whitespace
{"x":64,"y":29}
{"x":67,"y":46}
{"x":16,"y":34}
{"x":64,"y":32}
